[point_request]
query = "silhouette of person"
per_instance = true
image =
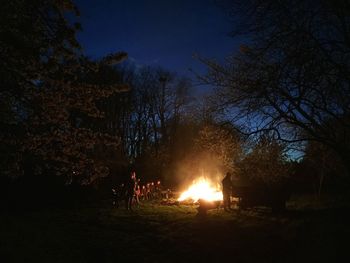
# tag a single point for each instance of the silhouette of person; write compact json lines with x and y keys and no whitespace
{"x":130,"y":190}
{"x":226,"y":191}
{"x":137,"y":193}
{"x":115,"y":197}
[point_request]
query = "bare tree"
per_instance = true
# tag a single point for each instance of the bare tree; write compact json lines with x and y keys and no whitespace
{"x":292,"y":78}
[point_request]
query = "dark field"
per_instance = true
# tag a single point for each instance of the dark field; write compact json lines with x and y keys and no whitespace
{"x":158,"y":233}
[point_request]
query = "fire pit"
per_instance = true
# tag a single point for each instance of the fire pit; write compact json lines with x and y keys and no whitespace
{"x":204,"y":193}
{"x":205,"y":205}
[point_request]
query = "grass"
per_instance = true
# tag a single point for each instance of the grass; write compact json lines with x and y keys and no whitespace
{"x":160,"y":233}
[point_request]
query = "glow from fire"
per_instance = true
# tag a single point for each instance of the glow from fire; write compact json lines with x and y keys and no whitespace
{"x":201,"y":189}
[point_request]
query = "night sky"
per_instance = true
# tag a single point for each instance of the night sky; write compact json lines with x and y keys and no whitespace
{"x":157,"y":32}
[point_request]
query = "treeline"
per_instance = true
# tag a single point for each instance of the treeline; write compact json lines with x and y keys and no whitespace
{"x":147,"y":117}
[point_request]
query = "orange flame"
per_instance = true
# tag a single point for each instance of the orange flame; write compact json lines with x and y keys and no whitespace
{"x":201,"y":189}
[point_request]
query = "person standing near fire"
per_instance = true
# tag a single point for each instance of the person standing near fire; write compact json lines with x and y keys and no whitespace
{"x":137,"y":192}
{"x":226,"y":191}
{"x":130,"y":190}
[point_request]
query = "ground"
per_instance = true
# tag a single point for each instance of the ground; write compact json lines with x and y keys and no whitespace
{"x":161,"y":233}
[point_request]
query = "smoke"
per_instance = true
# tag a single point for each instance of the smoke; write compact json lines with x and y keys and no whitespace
{"x":199,"y":165}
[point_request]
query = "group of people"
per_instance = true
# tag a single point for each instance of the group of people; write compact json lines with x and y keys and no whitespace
{"x":132,"y":192}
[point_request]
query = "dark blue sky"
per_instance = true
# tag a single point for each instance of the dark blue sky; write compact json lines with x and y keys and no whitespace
{"x":156,"y":32}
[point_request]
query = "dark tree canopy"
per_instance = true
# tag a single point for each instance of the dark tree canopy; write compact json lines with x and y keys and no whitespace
{"x":49,"y":93}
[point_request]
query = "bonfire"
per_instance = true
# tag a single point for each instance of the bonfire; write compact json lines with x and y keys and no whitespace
{"x":201,"y":189}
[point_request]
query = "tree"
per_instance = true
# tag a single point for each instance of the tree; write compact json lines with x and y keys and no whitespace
{"x":292,"y":78}
{"x":323,"y":166}
{"x":221,"y":145}
{"x":160,"y":110}
{"x":266,"y":163}
{"x":49,"y":94}
{"x":34,"y":37}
